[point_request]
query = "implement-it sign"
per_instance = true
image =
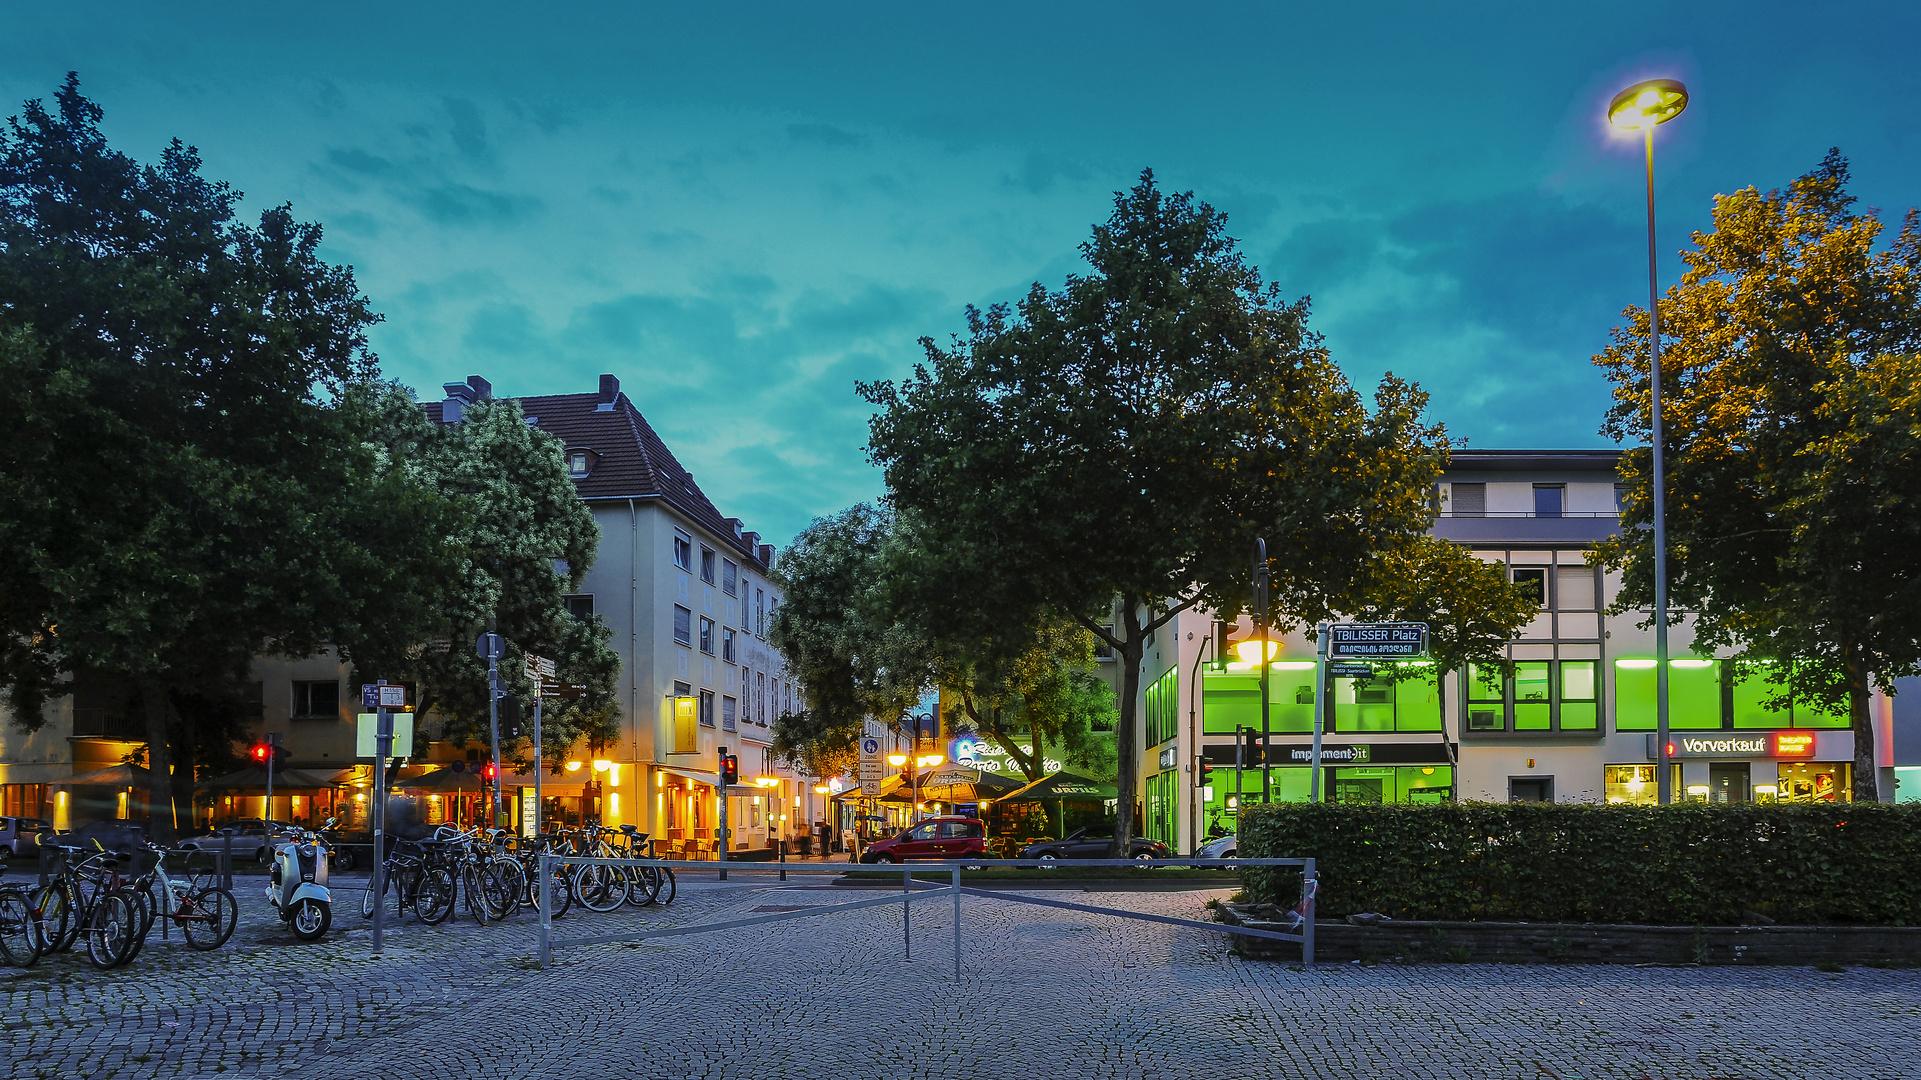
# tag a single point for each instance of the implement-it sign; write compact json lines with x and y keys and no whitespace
{"x":1376,"y":640}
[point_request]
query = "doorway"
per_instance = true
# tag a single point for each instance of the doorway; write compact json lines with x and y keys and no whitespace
{"x":1530,"y":789}
{"x":1728,"y":781}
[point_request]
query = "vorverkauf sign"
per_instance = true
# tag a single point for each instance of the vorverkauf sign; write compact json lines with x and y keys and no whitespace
{"x":1376,"y":641}
{"x":1768,"y":744}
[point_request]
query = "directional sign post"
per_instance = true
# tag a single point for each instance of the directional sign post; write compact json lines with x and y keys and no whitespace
{"x":1350,"y":642}
{"x":540,"y":670}
{"x":382,"y":697}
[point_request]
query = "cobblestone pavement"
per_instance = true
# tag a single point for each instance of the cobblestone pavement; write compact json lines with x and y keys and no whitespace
{"x":1044,"y":993}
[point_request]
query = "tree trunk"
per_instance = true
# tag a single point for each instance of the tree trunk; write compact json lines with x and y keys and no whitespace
{"x":1131,"y":651}
{"x":1867,"y":786}
{"x":1453,"y":746}
{"x":183,"y":773}
{"x":153,"y":700}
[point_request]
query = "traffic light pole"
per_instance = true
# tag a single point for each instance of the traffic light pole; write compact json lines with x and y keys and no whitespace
{"x":539,"y":689}
{"x":721,"y":845}
{"x":273,"y":751}
{"x":1320,"y":711}
{"x":493,"y":727}
{"x":383,"y":746}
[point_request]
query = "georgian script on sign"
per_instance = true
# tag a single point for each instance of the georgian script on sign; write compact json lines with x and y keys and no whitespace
{"x":1376,"y":640}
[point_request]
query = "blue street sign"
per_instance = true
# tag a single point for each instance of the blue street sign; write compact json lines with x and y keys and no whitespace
{"x":370,"y":695}
{"x":491,"y":646}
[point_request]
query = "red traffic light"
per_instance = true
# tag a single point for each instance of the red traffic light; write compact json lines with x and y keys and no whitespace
{"x":261,"y":752}
{"x":729,"y":769}
{"x":489,"y":772}
{"x":1207,"y":772}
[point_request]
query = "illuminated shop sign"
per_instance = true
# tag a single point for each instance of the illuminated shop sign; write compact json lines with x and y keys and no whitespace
{"x":1352,"y":755}
{"x":1768,"y":744}
{"x":1794,"y":744}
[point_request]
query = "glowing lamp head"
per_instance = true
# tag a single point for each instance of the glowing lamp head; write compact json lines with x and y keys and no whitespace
{"x":573,"y":766}
{"x":897,"y":760}
{"x":1250,"y":650}
{"x":928,"y":761}
{"x":1648,"y":104}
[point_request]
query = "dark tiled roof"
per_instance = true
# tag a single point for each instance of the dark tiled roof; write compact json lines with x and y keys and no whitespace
{"x":628,"y":459}
{"x":1545,"y":460}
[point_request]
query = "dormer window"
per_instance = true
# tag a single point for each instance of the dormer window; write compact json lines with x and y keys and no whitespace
{"x":576,"y":463}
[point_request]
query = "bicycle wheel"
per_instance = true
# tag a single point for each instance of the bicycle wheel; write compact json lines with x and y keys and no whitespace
{"x":561,"y":893}
{"x":208,"y":919}
{"x":599,"y":888}
{"x":643,"y":884}
{"x":144,"y":908}
{"x":665,"y":893}
{"x":19,"y":931}
{"x":111,"y":931}
{"x":434,"y":901}
{"x":367,"y":897}
{"x":512,"y":878}
{"x":474,"y":894}
{"x":54,"y":906}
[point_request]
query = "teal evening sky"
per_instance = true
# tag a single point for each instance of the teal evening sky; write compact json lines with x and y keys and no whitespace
{"x":743,"y":209}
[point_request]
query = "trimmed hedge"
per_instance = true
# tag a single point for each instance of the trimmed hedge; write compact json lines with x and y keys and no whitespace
{"x":1690,"y":864}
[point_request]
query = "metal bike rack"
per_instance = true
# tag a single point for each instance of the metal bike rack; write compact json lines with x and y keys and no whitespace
{"x":905,"y":898}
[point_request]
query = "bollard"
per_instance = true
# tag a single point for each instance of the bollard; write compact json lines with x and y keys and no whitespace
{"x":226,"y":860}
{"x":957,"y":896}
{"x":906,"y":913}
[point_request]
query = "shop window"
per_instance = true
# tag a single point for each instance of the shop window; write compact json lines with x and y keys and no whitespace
{"x":1811,"y":782}
{"x":683,"y":625}
{"x":316,"y":700}
{"x":1634,"y":784}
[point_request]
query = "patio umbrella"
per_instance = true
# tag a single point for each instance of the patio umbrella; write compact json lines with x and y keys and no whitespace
{"x":1059,"y":791}
{"x":115,"y":776}
{"x":958,"y":784}
{"x":254,"y":777}
{"x":443,"y":780}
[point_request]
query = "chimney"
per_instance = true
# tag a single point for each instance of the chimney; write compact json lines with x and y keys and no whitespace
{"x":459,"y":396}
{"x":483,"y":390}
{"x":609,"y":390}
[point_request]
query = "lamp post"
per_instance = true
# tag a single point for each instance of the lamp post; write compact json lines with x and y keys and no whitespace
{"x":1644,"y":107}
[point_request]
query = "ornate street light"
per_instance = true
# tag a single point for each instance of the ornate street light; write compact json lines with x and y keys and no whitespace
{"x":1644,"y":107}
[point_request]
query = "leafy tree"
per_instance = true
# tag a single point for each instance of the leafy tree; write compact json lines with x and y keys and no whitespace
{"x":1470,"y":607}
{"x":526,"y":541}
{"x":1044,"y":695}
{"x":1793,"y":446}
{"x":852,"y":660}
{"x":182,"y":483}
{"x":1112,"y":449}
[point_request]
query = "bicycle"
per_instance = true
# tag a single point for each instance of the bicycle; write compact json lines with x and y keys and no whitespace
{"x":86,"y":898}
{"x":21,"y":942}
{"x":205,"y":913}
{"x":413,"y":874}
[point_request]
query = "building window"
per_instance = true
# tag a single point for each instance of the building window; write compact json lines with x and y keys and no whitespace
{"x":728,"y":571}
{"x":1535,"y":578}
{"x":1163,"y":709}
{"x":1574,"y":588}
{"x":760,"y":613}
{"x":727,"y":644}
{"x":1378,"y":704}
{"x":577,"y":463}
{"x":727,"y":711}
{"x":683,"y":625}
{"x":1543,"y":695}
{"x":1470,"y":500}
{"x":760,"y":692}
{"x":1580,"y":695}
{"x":1486,"y":699}
{"x":706,"y":708}
{"x":707,"y":565}
{"x":1550,"y":500}
{"x":315,"y":700}
{"x":581,"y":607}
{"x":776,"y":709}
{"x":706,"y":635}
{"x":1532,"y":710}
{"x":683,"y":552}
{"x":1620,"y":498}
{"x":1102,"y":650}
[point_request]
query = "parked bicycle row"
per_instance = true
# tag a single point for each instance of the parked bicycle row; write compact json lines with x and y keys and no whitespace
{"x":494,"y":876}
{"x":107,"y":903}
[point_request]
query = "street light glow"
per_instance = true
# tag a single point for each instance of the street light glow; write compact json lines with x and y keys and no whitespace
{"x":897,"y":760}
{"x":1648,"y":104}
{"x":1250,"y":650}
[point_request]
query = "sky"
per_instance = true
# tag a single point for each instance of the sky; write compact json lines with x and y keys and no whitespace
{"x":743,"y":209}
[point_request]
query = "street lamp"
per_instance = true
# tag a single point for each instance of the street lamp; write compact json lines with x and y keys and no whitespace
{"x":1644,"y":107}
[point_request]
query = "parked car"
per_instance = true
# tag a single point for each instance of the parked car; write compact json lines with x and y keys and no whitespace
{"x":1083,"y":844}
{"x":20,"y":834}
{"x":934,"y":838}
{"x":251,"y":839}
{"x":1221,"y":847}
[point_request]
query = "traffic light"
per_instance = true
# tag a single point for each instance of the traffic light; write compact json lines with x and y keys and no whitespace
{"x":1252,"y":751}
{"x":489,"y":772}
{"x":729,"y":769}
{"x":1207,"y":772}
{"x":281,"y":755}
{"x":261,"y":753}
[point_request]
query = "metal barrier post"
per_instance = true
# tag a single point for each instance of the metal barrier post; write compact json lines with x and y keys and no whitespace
{"x":1309,"y":887}
{"x":783,"y":859}
{"x":226,"y":860}
{"x":545,"y":955}
{"x":906,"y":913}
{"x":956,"y":922}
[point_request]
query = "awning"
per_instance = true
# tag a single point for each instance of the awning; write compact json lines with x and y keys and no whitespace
{"x":116,"y":776}
{"x":443,"y":780}
{"x":710,"y":779}
{"x":1065,"y":787}
{"x":255,"y":776}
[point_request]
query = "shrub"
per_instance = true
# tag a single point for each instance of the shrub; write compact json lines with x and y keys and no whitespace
{"x":1684,"y":865}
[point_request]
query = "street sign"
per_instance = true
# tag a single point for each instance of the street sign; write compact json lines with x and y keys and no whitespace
{"x":382,"y":696}
{"x":872,"y":787}
{"x":870,"y":763}
{"x":564,"y":690}
{"x":1349,"y":671}
{"x":1385,"y":641}
{"x":539,"y":667}
{"x":490,"y":646}
{"x":366,"y":733}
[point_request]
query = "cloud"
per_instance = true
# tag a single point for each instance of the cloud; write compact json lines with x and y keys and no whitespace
{"x":825,"y":135}
{"x":359,"y":161}
{"x":463,"y":204}
{"x":469,"y":132}
{"x":1040,"y":170}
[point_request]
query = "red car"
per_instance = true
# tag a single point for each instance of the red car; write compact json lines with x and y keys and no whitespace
{"x":934,"y":838}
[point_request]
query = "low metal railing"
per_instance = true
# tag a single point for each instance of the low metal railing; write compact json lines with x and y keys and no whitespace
{"x":550,"y":864}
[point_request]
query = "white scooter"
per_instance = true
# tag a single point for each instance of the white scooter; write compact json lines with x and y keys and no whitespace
{"x":297,"y":884}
